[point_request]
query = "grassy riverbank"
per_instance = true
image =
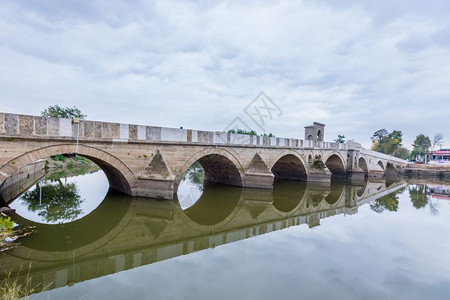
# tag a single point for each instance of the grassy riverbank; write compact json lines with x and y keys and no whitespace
{"x":77,"y":163}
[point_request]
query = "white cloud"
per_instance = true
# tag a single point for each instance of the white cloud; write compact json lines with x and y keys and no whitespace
{"x":356,"y":67}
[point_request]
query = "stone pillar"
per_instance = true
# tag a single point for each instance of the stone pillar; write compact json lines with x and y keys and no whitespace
{"x":261,"y":180}
{"x":376,"y":174}
{"x":258,"y":174}
{"x":323,"y":176}
{"x":356,"y":176}
{"x":155,"y":188}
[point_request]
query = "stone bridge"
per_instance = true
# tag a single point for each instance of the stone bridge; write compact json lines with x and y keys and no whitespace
{"x":142,"y":231}
{"x":150,"y":161}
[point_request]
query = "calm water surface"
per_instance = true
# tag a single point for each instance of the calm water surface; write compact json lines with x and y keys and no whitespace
{"x":300,"y":241}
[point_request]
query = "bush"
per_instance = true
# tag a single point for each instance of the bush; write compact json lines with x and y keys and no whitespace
{"x":58,"y":157}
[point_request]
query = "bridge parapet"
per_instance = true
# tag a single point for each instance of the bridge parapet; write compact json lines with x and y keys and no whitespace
{"x":12,"y":125}
{"x":386,"y":157}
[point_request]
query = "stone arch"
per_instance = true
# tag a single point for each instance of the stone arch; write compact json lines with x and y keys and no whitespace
{"x":380,"y":163}
{"x":362,"y":163}
{"x":291,"y":166}
{"x":335,"y":163}
{"x":220,"y":166}
{"x":391,"y":171}
{"x":310,"y":137}
{"x":120,"y":177}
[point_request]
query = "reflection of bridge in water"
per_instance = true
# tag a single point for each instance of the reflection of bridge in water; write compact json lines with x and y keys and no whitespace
{"x":140,"y":231}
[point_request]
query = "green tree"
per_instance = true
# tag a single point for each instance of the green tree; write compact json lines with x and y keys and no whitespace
{"x":402,"y":153}
{"x":242,"y":131}
{"x":56,"y":111}
{"x":340,"y":139}
{"x":385,"y":142}
{"x":421,"y":145}
{"x":393,"y":142}
{"x":378,"y":138}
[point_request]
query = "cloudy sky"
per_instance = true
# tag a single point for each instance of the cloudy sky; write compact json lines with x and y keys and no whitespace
{"x":356,"y":66}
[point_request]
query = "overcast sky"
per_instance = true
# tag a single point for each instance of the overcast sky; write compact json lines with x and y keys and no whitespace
{"x":356,"y":66}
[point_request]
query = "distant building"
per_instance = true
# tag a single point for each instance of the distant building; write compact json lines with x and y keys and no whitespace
{"x":315,"y":132}
{"x":443,"y":154}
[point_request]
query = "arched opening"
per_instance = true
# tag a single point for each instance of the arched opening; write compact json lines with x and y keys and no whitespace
{"x":310,"y":137}
{"x":363,"y":165}
{"x":319,"y":135}
{"x":391,"y":171}
{"x":289,"y":167}
{"x":204,"y":193}
{"x":63,"y":194}
{"x":219,"y":169}
{"x":336,"y":166}
{"x":117,"y":173}
{"x":380,"y":163}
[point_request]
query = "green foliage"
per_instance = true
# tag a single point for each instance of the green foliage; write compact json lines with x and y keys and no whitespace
{"x":402,"y":153}
{"x":6,"y":224}
{"x":6,"y":231}
{"x":249,"y":132}
{"x":385,"y":142}
{"x":164,"y":173}
{"x":242,"y":131}
{"x":268,"y":135}
{"x":421,"y":145}
{"x":318,"y":164}
{"x":58,"y":157}
{"x":340,"y":139}
{"x":56,"y":111}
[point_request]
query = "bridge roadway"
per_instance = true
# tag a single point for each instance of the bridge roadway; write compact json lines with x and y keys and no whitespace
{"x":144,"y":231}
{"x":150,"y":161}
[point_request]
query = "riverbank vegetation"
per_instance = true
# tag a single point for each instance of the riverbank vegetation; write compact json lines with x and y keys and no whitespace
{"x":12,"y":287}
{"x":391,"y":143}
{"x":71,"y":162}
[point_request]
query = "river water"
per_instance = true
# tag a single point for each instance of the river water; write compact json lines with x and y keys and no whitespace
{"x":378,"y":240}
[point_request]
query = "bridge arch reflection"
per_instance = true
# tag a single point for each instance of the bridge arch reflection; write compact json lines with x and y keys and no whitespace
{"x":81,"y":236}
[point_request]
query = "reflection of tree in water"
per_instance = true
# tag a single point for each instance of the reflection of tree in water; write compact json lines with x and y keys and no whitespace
{"x":59,"y":202}
{"x":418,"y":196}
{"x":388,"y":202}
{"x":195,"y":174}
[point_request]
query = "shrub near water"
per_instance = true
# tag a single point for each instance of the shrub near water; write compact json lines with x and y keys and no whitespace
{"x":11,"y":287}
{"x":6,"y":227}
